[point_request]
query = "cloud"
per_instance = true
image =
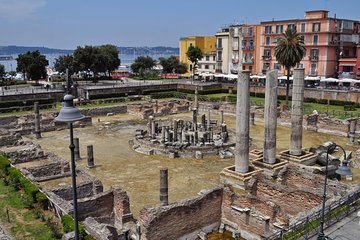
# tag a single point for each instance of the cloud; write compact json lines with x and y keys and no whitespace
{"x":19,"y":9}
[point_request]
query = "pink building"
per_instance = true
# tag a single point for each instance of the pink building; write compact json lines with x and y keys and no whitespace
{"x":329,"y":42}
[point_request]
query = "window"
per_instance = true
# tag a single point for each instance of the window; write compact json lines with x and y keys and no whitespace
{"x":214,"y":58}
{"x":267,"y":41}
{"x":315,"y":39}
{"x":313,"y":69}
{"x":348,"y":68}
{"x":206,"y":66}
{"x":300,"y":65}
{"x":314,"y":54}
{"x":277,"y":66}
{"x":279,"y":28}
{"x":267,"y":29}
{"x":266,"y":66}
{"x":190,"y":44}
{"x":316,"y":27}
{"x":251,"y":45}
{"x":250,"y":31}
{"x":292,"y":26}
{"x":303,"y":27}
{"x":302,"y":38}
{"x":219,"y":55}
{"x":219,"y":43}
{"x":267,"y":52}
{"x":207,"y":58}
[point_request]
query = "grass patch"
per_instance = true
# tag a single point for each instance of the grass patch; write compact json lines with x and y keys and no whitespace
{"x":23,"y":223}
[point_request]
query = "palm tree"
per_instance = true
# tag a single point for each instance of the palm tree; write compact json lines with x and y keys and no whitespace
{"x":289,"y":51}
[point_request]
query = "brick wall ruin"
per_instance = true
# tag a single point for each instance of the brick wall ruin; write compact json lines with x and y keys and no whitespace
{"x":183,"y":220}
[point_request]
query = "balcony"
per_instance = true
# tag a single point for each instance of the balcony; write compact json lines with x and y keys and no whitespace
{"x":314,"y":58}
{"x":248,"y":61}
{"x":313,"y":73}
{"x":266,"y":58}
{"x":218,"y":46}
{"x":247,"y":48}
{"x":248,"y":34}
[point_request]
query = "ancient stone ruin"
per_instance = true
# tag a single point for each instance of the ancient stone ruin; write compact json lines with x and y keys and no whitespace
{"x":180,"y":138}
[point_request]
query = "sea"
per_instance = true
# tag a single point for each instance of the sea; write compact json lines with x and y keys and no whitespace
{"x":126,"y":59}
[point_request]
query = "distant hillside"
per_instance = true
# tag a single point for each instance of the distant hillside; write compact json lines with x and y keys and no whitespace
{"x":149,"y":50}
{"x":10,"y":50}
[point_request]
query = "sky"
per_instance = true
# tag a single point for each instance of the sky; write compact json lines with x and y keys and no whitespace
{"x":67,"y":24}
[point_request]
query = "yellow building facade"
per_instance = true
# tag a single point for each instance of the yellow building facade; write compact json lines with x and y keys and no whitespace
{"x":205,"y":43}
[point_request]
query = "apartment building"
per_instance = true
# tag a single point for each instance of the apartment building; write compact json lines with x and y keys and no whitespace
{"x":207,"y":46}
{"x":329,"y":42}
{"x":236,"y":48}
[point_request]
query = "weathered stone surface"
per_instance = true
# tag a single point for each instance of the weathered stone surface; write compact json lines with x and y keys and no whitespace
{"x":179,"y":219}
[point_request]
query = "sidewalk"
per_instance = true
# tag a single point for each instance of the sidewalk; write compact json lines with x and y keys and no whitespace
{"x":346,"y":229}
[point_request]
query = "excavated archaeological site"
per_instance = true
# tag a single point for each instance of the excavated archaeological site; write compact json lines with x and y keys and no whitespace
{"x":184,"y":170}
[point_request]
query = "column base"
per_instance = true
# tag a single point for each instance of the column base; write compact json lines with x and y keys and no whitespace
{"x":270,"y":169}
{"x":235,"y":179}
{"x":306,"y":158}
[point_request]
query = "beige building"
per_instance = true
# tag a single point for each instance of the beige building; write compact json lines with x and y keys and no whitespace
{"x":237,"y":48}
{"x":207,"y":46}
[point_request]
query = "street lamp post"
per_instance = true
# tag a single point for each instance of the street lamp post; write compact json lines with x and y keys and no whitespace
{"x":343,"y":170}
{"x":69,"y":114}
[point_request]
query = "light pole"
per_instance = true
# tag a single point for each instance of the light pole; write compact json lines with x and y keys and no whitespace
{"x":69,"y":114}
{"x":343,"y":170}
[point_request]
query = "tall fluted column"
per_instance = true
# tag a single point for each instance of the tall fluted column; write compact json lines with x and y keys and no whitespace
{"x":297,"y":112}
{"x":270,"y":116}
{"x":242,"y":122}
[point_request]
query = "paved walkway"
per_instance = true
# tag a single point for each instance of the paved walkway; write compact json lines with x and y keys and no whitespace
{"x":346,"y":229}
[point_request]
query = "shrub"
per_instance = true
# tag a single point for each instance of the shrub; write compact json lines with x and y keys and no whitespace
{"x":349,"y":108}
{"x":42,"y":199}
{"x":4,"y":165}
{"x":14,"y":178}
{"x":68,"y":225}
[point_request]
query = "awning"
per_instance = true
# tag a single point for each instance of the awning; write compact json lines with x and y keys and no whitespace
{"x":258,"y":76}
{"x":329,"y":80}
{"x":348,"y":80}
{"x":348,"y":64}
{"x":285,"y":78}
{"x":220,"y":75}
{"x":309,"y":78}
{"x":232,"y":76}
{"x":205,"y":74}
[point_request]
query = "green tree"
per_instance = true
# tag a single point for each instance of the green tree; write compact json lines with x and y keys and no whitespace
{"x":142,"y":64}
{"x":86,"y":58}
{"x":32,"y":65}
{"x":169,"y":64}
{"x":172,"y":65}
{"x":110,"y":57}
{"x":289,"y":51}
{"x":65,"y":62}
{"x":2,"y":71}
{"x":181,"y":68}
{"x":194,"y":54}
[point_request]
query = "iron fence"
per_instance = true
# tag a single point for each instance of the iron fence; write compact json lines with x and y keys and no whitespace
{"x":309,"y":226}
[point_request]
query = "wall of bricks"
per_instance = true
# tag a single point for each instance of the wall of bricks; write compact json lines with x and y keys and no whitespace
{"x":179,"y":219}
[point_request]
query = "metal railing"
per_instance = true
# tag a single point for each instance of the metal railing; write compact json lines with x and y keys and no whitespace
{"x":309,"y":226}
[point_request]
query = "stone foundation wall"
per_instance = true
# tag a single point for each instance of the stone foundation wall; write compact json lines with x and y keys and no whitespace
{"x":103,"y":111}
{"x":182,"y":219}
{"x":84,"y":189}
{"x":48,"y":170}
{"x":96,"y":206}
